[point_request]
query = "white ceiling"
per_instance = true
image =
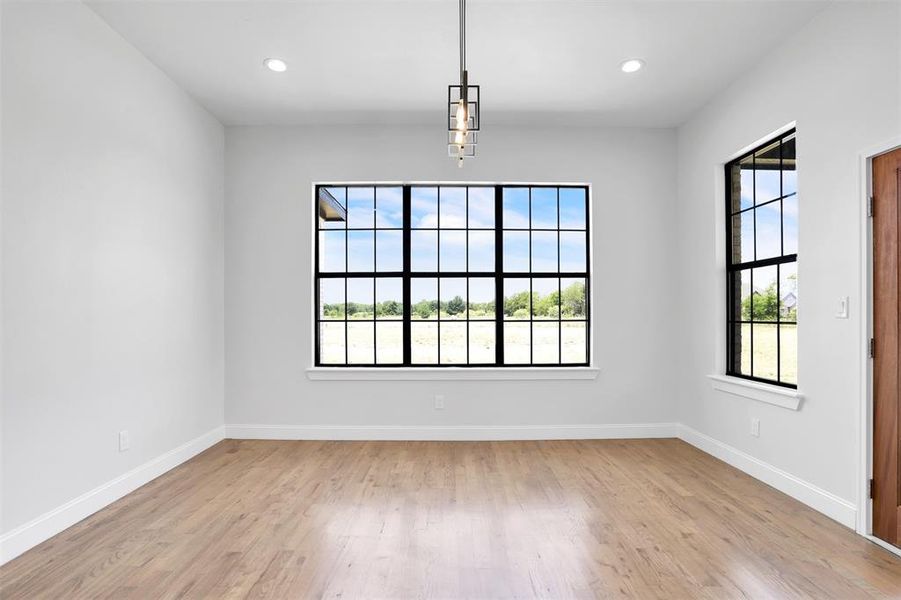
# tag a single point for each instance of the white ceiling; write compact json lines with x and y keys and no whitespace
{"x":544,"y":61}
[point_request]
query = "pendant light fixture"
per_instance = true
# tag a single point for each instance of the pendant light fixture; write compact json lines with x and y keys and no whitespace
{"x":462,"y":106}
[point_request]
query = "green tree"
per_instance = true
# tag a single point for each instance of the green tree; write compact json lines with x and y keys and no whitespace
{"x":518,"y":301}
{"x":423,"y":309}
{"x":761,"y":306}
{"x":546,"y":306}
{"x":573,"y":300}
{"x":481,"y":309}
{"x":455,"y":306}
{"x":389,"y":308}
{"x":333,"y":311}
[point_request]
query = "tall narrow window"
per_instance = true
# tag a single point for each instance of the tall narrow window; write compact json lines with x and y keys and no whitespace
{"x":452,"y":275}
{"x":762,"y":257}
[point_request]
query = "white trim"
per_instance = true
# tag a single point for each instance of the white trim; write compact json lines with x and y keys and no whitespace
{"x":883,"y":544}
{"x":430,"y":182}
{"x":763,"y":140}
{"x":590,"y":224}
{"x":30,"y":534}
{"x":452,"y":432}
{"x":864,"y":525}
{"x":770,"y":394}
{"x":762,"y":392}
{"x":817,"y":498}
{"x":448,"y":373}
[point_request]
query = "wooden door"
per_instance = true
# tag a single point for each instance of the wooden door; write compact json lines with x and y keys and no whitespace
{"x":886,"y":368}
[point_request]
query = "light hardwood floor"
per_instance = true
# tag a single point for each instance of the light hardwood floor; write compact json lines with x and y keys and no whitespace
{"x":625,"y":518}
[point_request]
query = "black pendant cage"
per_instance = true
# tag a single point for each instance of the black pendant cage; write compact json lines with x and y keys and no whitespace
{"x":454,"y":95}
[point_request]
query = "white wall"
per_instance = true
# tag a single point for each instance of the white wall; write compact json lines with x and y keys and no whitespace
{"x":838,"y":78}
{"x":112,"y":232}
{"x":113,"y":236}
{"x":268,"y":273}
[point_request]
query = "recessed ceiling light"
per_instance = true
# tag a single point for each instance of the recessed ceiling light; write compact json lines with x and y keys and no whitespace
{"x":632,"y":65}
{"x":276,"y":64}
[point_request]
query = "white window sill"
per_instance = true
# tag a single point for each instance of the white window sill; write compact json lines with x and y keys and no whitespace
{"x":762,"y":392}
{"x":451,"y":373}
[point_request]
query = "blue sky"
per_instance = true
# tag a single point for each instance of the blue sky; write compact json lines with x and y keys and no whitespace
{"x":382,"y":249}
{"x":382,"y":208}
{"x":769,"y":215}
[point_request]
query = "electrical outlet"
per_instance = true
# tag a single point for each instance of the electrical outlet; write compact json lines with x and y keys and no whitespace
{"x":439,"y":402}
{"x":755,"y":427}
{"x":124,"y":440}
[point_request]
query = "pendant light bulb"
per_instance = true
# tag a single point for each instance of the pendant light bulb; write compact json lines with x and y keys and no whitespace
{"x":461,"y":116}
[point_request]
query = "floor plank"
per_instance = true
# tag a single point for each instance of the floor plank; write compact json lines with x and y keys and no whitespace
{"x":553,"y":519}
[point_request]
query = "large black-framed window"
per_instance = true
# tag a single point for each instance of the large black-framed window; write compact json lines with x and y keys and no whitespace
{"x":427,"y":275}
{"x":762,"y":263}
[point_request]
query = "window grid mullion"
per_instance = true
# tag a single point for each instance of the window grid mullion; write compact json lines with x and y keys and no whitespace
{"x":531,"y":270}
{"x":466,"y":300}
{"x":499,"y":279}
{"x":735,"y":270}
{"x":560,"y":287}
{"x":778,"y":323}
{"x":375,"y":266}
{"x":346,"y":267}
{"x":317,"y":297}
{"x":406,"y":336}
{"x":438,"y":282}
{"x":779,"y":274}
{"x":751,"y":328}
{"x":406,"y":276}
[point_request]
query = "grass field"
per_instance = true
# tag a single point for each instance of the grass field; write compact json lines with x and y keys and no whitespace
{"x":765,"y":355}
{"x":548,"y":342}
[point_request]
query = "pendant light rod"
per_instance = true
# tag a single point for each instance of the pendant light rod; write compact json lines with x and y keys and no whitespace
{"x":464,"y":79}
{"x":462,"y":37}
{"x":463,"y":104}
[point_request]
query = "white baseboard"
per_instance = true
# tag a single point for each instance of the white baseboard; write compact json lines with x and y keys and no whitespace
{"x":817,"y":498}
{"x":451,"y":433}
{"x":29,"y":535}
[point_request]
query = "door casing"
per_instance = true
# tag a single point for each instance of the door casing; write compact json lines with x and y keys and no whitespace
{"x":865,"y":421}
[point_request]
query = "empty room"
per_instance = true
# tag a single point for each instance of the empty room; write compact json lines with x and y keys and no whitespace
{"x":452,"y":299}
